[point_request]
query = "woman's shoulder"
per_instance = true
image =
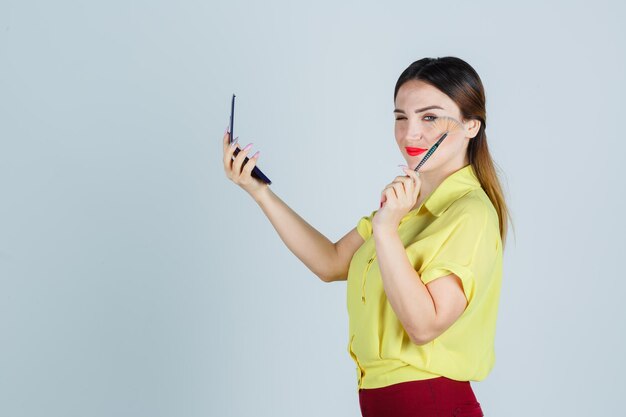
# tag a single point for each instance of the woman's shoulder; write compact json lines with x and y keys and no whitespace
{"x":475,"y":206}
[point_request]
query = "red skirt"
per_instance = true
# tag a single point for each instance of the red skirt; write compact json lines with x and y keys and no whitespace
{"x":435,"y":397}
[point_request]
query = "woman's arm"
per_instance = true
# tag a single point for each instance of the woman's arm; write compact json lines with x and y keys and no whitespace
{"x":425,"y":311}
{"x":328,"y":260}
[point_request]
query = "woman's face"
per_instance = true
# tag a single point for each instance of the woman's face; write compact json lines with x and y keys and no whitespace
{"x":418,"y":104}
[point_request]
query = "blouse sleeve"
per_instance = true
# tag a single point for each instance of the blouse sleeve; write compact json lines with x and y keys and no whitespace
{"x":364,"y":225}
{"x":465,"y":249}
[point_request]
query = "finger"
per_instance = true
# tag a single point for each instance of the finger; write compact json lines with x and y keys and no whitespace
{"x":388,"y":187}
{"x":416,"y":180}
{"x":399,"y":189}
{"x":409,"y":186}
{"x":407,"y":183}
{"x":228,"y":155}
{"x":249,"y":166}
{"x":412,"y":174}
{"x":402,"y":181}
{"x":227,"y":135}
{"x":399,"y":178}
{"x":238,"y":162}
{"x":383,"y":197}
{"x":410,"y":190}
{"x":225,"y":140}
{"x":405,"y":179}
{"x":407,"y":191}
{"x":390,"y":195}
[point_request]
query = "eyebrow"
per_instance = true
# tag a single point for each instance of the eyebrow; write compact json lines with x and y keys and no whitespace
{"x":419,"y":110}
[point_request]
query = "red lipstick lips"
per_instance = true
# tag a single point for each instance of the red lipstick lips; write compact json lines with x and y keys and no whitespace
{"x":415,"y":151}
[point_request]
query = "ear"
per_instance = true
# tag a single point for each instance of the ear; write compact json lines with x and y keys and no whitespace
{"x":472,"y":127}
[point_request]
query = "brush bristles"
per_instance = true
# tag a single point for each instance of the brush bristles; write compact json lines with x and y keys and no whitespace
{"x":446,"y":124}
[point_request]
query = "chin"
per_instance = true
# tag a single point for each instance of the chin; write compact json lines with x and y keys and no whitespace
{"x":411,"y":164}
{"x":413,"y":161}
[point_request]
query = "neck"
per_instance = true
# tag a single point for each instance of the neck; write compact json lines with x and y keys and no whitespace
{"x":432,"y":179}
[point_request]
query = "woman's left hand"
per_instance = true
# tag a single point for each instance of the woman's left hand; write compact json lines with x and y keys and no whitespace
{"x":397,"y":199}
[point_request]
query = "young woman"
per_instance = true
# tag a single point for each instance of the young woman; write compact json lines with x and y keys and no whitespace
{"x":423,"y":270}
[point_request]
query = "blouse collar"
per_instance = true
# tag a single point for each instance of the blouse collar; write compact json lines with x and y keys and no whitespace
{"x":453,"y":187}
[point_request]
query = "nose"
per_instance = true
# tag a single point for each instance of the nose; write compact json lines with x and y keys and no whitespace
{"x":415,"y":133}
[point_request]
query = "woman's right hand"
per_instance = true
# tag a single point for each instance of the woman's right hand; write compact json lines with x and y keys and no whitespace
{"x":235,"y":172}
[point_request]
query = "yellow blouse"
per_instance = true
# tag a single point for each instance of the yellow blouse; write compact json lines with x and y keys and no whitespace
{"x":455,"y":230}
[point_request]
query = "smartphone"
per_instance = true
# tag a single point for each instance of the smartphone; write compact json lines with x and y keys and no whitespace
{"x":256,"y":172}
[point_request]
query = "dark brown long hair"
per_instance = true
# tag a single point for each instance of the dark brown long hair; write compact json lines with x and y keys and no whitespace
{"x":459,"y":81}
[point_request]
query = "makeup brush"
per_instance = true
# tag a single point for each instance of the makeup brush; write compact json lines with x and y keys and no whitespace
{"x":443,"y":124}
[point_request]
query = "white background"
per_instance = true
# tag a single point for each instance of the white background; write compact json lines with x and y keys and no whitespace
{"x":137,"y":280}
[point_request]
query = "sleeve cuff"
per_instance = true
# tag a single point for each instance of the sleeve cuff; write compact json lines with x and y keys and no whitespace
{"x":446,"y":268}
{"x":364,"y":227}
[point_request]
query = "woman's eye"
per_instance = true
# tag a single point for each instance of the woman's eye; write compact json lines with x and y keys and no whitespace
{"x":432,"y":118}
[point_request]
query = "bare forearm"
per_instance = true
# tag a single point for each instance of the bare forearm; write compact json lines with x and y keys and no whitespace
{"x":407,"y":294}
{"x":314,"y":249}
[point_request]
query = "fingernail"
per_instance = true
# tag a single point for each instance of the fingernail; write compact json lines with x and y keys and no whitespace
{"x":403,"y":166}
{"x":248,"y":146}
{"x":227,"y":126}
{"x":256,"y":155}
{"x":234,"y":143}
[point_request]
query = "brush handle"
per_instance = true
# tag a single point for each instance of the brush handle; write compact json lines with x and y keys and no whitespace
{"x":430,"y":151}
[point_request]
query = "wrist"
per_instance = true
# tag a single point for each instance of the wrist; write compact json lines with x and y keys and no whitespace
{"x":261,"y":195}
{"x":384,"y":231}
